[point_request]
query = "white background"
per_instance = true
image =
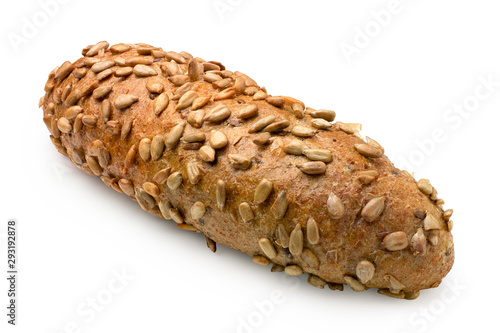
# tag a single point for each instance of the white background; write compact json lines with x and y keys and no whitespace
{"x":402,"y":84}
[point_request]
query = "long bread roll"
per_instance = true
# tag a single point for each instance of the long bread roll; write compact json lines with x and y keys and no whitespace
{"x":210,"y":149}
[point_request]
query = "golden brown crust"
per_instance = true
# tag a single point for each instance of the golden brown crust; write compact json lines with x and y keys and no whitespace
{"x":327,"y":201}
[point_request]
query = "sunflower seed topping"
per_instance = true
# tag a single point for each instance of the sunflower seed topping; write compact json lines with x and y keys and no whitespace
{"x":217,"y":140}
{"x":73,"y":111}
{"x":365,"y":271}
{"x":261,"y":260}
{"x":176,"y":215}
{"x":303,"y":131}
{"x":418,"y":243}
{"x":179,"y":80}
{"x":102,"y":65}
{"x":175,"y":57}
{"x":143,"y":70}
{"x":293,"y":270}
{"x":130,"y":157}
{"x":211,"y":244}
{"x":64,"y":125}
{"x":174,"y":180}
{"x":160,"y":103}
{"x":394,"y":285}
{"x":124,"y":71}
{"x":89,"y":120}
{"x":194,"y":69}
{"x":259,"y":95}
{"x":261,"y":123}
{"x":154,"y":86}
{"x":248,"y":111}
{"x":193,"y":172}
{"x":312,"y":168}
{"x":353,"y":283}
{"x":151,"y":189}
{"x":277,"y":101}
{"x":173,"y":137}
{"x":161,"y":176}
{"x":198,"y":210}
{"x":124,"y":101}
{"x":200,"y":102}
{"x":328,"y":115}
{"x":296,"y":240}
{"x":335,"y":207}
{"x":268,"y":248}
{"x":126,"y":186}
{"x":172,"y":68}
{"x":145,"y":149}
{"x":431,"y":223}
{"x":246,"y":212}
{"x":238,"y":161}
{"x":186,"y":100}
{"x":218,"y":114}
{"x":207,"y":154}
{"x":119,"y":48}
{"x":127,"y":126}
{"x":211,"y":77}
{"x":368,"y":176}
{"x":63,"y":71}
{"x":447,"y":214}
{"x":316,"y":281}
{"x":101,"y":92}
{"x":283,"y":238}
{"x":373,"y":209}
{"x":277,"y":126}
{"x":424,"y":185}
{"x":295,"y":147}
{"x":323,"y":155}
{"x":312,"y":231}
{"x":280,"y":206}
{"x":94,"y":50}
{"x":220,"y":193}
{"x":261,"y":138}
{"x":368,"y":150}
{"x":395,"y":241}
{"x":78,"y":124}
{"x":94,"y":165}
{"x":262,"y":191}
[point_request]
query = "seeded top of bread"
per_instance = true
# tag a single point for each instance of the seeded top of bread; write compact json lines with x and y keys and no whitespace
{"x":212,"y":150}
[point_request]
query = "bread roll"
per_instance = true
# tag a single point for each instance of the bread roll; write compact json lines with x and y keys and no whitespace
{"x":191,"y":141}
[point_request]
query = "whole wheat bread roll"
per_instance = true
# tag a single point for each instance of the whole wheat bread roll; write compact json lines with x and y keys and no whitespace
{"x":209,"y":148}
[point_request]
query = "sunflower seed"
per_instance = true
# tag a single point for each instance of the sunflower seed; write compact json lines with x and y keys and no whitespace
{"x":194,"y":137}
{"x":186,"y":100}
{"x":165,"y":207}
{"x":124,"y":100}
{"x":172,"y":68}
{"x":328,"y":115}
{"x":394,"y":285}
{"x":173,"y":137}
{"x":293,"y":270}
{"x":73,"y":111}
{"x":174,"y":180}
{"x":211,"y":244}
{"x":368,"y":150}
{"x":179,"y":79}
{"x":154,"y":85}
{"x":119,"y":48}
{"x":211,"y":77}
{"x":353,"y":283}
{"x":54,"y":130}
{"x":387,"y":292}
{"x":283,"y":238}
{"x":94,"y":146}
{"x":447,"y":214}
{"x":119,"y":61}
{"x":434,"y":237}
{"x":198,"y":210}
{"x":193,"y":172}
{"x":224,"y":83}
{"x":220,"y":193}
{"x":63,"y":71}
{"x":138,"y":60}
{"x":145,"y":149}
{"x":323,"y":155}
{"x":365,"y":271}
{"x":217,"y":140}
{"x":104,"y":74}
{"x":295,"y":147}
{"x":78,"y":124}
{"x":161,"y":176}
{"x":72,"y":98}
{"x":312,"y":231}
{"x":182,"y":90}
{"x":66,"y":91}
{"x":261,"y":123}
{"x":277,"y":268}
{"x":312,"y":168}
{"x":280,"y":205}
{"x":151,"y":189}
{"x":335,"y":206}
{"x":102,"y":65}
{"x":103,"y":157}
{"x":89,"y":62}
{"x":64,"y":125}
{"x":259,"y":95}
{"x":262,"y":191}
{"x":239,"y":85}
{"x":250,"y":91}
{"x":160,"y":103}
{"x":246,"y":212}
{"x":418,"y":243}
{"x":298,"y":110}
{"x":77,"y":156}
{"x":124,"y":71}
{"x":89,"y":120}
{"x":200,"y":102}
{"x":126,"y":186}
{"x":94,"y":165}
{"x":433,"y":195}
{"x":268,"y":248}
{"x":395,"y":241}
{"x":195,"y":118}
{"x":127,"y":126}
{"x":277,"y":101}
{"x":143,"y":71}
{"x":248,"y":111}
{"x":431,"y":223}
{"x":105,"y":111}
{"x":277,"y":126}
{"x":368,"y":176}
{"x":194,"y":69}
{"x":218,"y":113}
{"x":130,"y":157}
{"x":424,"y":185}
{"x":261,"y":138}
{"x":175,"y":57}
{"x":176,"y":215}
{"x":96,"y":48}
{"x":208,"y":66}
{"x":316,"y":281}
{"x":296,"y":240}
{"x":310,"y":259}
{"x":226,"y":73}
{"x":238,"y":161}
{"x":80,"y":73}
{"x":101,"y":92}
{"x":373,"y":209}
{"x":261,"y":260}
{"x":207,"y":154}
{"x":351,"y":128}
{"x":303,"y":131}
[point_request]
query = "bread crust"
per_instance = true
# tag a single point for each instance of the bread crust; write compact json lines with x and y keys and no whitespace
{"x":97,"y":141}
